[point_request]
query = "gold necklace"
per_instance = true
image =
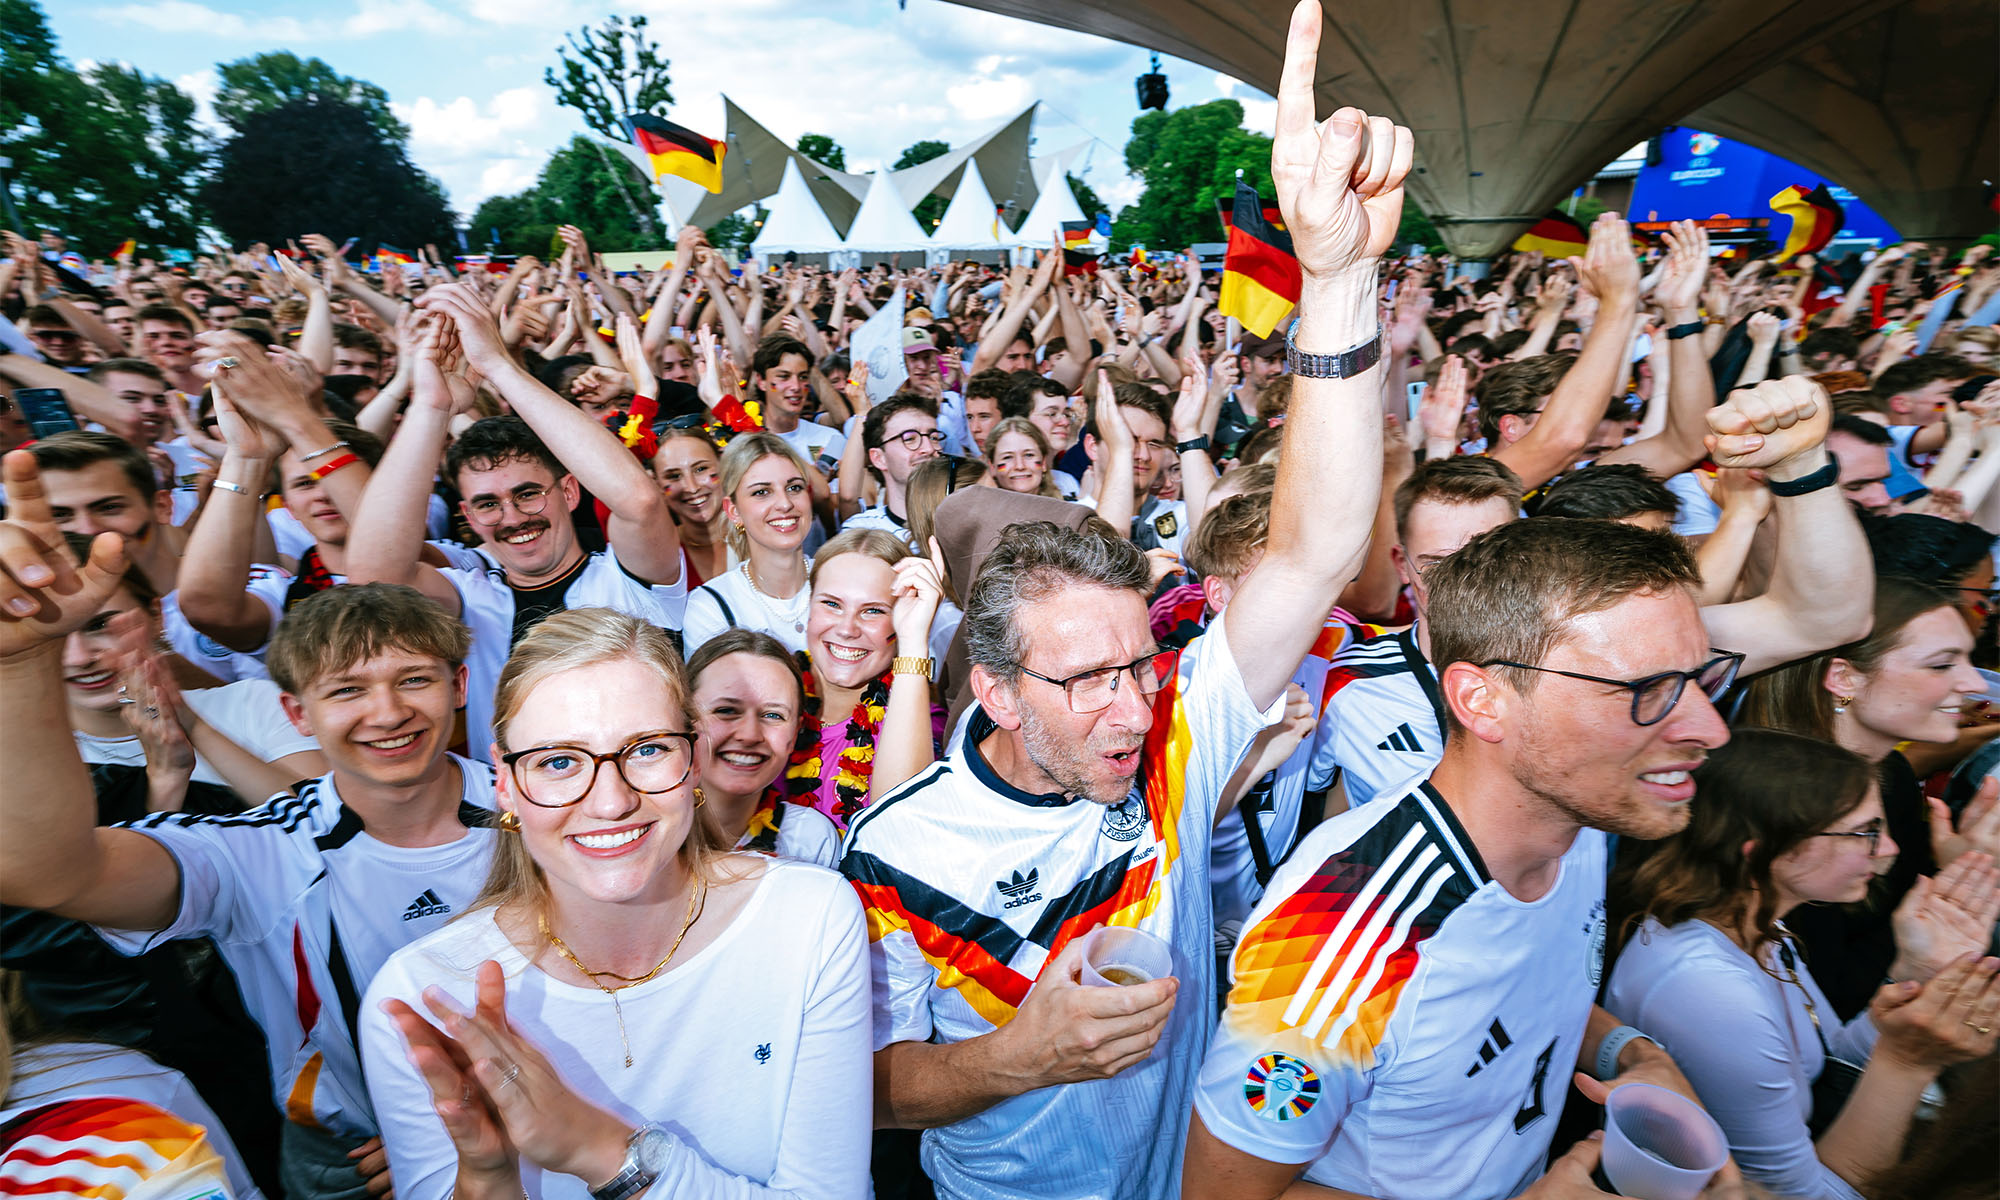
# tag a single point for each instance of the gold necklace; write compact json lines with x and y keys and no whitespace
{"x":697,"y":903}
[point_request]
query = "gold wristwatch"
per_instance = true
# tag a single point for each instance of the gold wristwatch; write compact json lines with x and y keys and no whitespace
{"x":904,"y":664}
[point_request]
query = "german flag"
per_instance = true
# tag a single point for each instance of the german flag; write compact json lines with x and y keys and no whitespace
{"x":1078,"y":262}
{"x":676,"y":150}
{"x":1816,"y":217}
{"x":386,"y":255}
{"x":1260,"y":276}
{"x":1076,"y":233}
{"x":125,"y":248}
{"x":1272,"y":217}
{"x":1557,"y":235}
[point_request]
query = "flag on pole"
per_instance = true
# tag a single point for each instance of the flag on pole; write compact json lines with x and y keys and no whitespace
{"x":1816,"y":217}
{"x":1272,"y":217}
{"x":1260,"y":276}
{"x":126,"y":248}
{"x":1557,"y":235}
{"x":676,"y":150}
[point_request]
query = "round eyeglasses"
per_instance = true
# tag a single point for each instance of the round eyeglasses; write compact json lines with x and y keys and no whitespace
{"x":559,"y":775}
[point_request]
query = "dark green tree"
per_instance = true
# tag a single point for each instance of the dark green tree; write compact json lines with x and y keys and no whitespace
{"x":1086,"y":197}
{"x":100,"y":155}
{"x":262,"y":82}
{"x":930,"y":210}
{"x":822,"y":150}
{"x":579,"y":186}
{"x":1416,"y":227}
{"x":1188,"y":159}
{"x":610,"y":71}
{"x":734,"y":233}
{"x":318,"y":165}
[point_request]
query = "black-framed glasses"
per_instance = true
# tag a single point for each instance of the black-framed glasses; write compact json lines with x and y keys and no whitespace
{"x":1872,"y":831}
{"x":559,"y":775}
{"x":1094,"y":690}
{"x":1654,"y":696}
{"x":915,"y":439}
{"x":489,"y":510}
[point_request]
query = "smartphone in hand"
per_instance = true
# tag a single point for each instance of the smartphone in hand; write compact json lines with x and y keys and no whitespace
{"x":46,"y":412}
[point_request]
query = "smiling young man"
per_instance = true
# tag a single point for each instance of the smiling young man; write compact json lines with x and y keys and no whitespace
{"x":166,"y":339}
{"x":782,"y":371}
{"x":307,"y":895}
{"x":1421,"y":974}
{"x":1091,"y":775}
{"x":520,"y":498}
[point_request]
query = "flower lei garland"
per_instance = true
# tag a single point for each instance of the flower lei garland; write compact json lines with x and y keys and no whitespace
{"x":856,"y":763}
{"x":762,"y":834}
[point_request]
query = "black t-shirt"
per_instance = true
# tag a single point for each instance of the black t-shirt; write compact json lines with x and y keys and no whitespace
{"x":532,"y":604}
{"x":1849,"y":946}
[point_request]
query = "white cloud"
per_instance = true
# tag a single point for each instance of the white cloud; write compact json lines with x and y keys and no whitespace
{"x":202,"y":85}
{"x":1260,"y":112}
{"x":370,"y":17}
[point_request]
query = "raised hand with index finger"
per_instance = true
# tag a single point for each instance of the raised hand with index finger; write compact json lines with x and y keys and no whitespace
{"x":44,"y":594}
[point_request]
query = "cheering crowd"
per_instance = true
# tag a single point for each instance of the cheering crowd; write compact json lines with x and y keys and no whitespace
{"x":554,"y":732}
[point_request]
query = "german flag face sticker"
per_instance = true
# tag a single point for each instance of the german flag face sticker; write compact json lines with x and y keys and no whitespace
{"x":1280,"y":1087}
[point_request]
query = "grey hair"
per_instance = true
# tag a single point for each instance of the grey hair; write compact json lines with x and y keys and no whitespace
{"x":1031,"y":562}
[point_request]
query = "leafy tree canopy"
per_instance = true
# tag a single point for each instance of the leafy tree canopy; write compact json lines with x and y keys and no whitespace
{"x":107,"y":153}
{"x":262,"y":82}
{"x":823,"y":150}
{"x":921,"y":152}
{"x":1188,"y":159}
{"x":578,"y":186}
{"x":610,"y":71}
{"x":323,"y":165}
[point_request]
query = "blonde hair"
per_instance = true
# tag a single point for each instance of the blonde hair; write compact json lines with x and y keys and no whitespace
{"x":1023,"y":425}
{"x":560,"y":643}
{"x":746,"y":451}
{"x":875,"y":543}
{"x":932,"y":481}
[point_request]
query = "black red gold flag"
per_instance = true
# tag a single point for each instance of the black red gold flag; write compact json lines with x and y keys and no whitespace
{"x":1260,"y":275}
{"x":677,"y":150}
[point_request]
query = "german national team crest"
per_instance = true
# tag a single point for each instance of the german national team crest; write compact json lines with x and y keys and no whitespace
{"x":1280,"y":1087}
{"x":1124,"y":821}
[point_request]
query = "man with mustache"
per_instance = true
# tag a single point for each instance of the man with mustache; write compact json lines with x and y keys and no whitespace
{"x":518,"y":496}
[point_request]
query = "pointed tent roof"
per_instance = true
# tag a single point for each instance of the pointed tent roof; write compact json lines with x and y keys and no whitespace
{"x":752,"y":171}
{"x":884,"y":224}
{"x":1002,"y":155}
{"x":1054,"y":206}
{"x":796,"y":221}
{"x":968,"y":221}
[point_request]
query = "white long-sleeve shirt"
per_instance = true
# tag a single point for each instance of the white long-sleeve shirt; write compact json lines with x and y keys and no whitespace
{"x":754,"y":1055}
{"x":1744,"y":1038}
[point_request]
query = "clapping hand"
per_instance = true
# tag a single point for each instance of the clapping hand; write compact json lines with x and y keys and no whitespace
{"x":1946,"y":916}
{"x":1978,"y":826}
{"x":1339,"y":182}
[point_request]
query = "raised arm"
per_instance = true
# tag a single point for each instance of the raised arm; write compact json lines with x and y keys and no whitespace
{"x":316,"y":335}
{"x":1578,"y":403}
{"x":1690,"y":387}
{"x":339,"y":275}
{"x":215,"y":567}
{"x":1340,"y":186}
{"x":53,"y":856}
{"x":905,"y":745}
{"x":640,"y":529}
{"x":386,"y":533}
{"x":1812,"y":603}
{"x":90,"y":400}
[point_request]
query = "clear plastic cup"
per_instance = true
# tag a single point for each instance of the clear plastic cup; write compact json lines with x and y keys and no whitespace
{"x":1658,"y":1144}
{"x":1117,"y":956}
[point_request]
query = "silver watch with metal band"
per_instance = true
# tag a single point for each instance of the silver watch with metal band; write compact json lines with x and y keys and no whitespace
{"x":1345,"y":365}
{"x":645,"y":1157}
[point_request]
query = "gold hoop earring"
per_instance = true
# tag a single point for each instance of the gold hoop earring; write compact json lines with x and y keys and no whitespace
{"x":698,"y":797}
{"x":510,"y":821}
{"x":1840,"y":703}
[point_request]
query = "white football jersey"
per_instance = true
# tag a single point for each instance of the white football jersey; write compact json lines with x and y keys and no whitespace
{"x":1381,"y":727}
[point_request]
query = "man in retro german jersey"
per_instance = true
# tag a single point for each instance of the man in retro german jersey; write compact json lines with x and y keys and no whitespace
{"x":1091,"y":774}
{"x":307,"y":895}
{"x":1416,"y":986}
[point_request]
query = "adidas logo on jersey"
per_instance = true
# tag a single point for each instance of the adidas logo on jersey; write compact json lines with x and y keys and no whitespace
{"x":430,"y":904}
{"x":1021,"y":889}
{"x":1402,"y":738}
{"x":1496,"y":1041}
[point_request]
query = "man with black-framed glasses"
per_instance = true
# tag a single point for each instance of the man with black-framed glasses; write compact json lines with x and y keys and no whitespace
{"x":899,"y":434}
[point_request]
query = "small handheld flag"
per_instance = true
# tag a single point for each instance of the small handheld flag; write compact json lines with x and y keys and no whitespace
{"x":1260,"y":275}
{"x":1816,"y":217}
{"x":126,"y":248}
{"x":1076,"y":233}
{"x":1557,"y":235}
{"x":676,"y":150}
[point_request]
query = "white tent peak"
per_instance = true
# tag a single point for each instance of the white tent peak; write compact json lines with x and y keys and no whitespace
{"x":1056,"y":204}
{"x":968,"y":222}
{"x":795,"y":221}
{"x":884,"y":225}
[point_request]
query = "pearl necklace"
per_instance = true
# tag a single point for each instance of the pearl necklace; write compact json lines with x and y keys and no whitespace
{"x":764,"y":598}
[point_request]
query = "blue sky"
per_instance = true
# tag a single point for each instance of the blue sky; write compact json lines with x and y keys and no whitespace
{"x":466,"y":75}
